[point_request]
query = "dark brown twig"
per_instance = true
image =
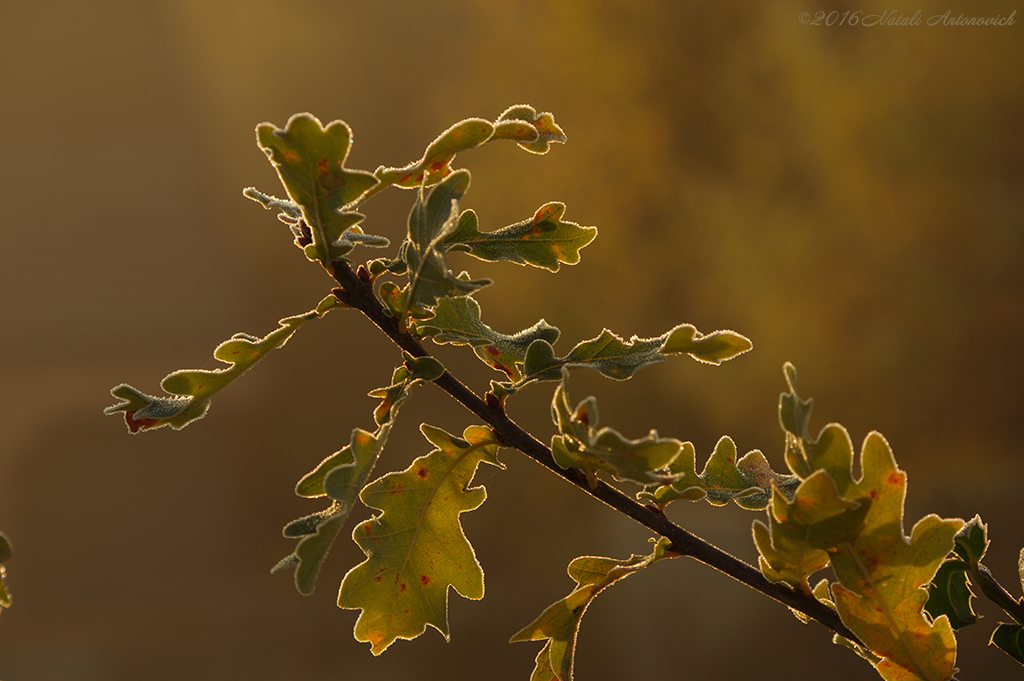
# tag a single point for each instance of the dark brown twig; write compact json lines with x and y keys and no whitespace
{"x":359,"y":294}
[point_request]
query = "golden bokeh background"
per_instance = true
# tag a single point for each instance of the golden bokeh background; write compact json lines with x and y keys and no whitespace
{"x":849,"y":197}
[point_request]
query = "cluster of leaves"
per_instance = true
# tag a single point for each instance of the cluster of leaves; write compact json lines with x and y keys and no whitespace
{"x":818,"y":514}
{"x":856,"y":526}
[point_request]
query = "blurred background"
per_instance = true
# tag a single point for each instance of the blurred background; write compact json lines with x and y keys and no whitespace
{"x":850,"y":198}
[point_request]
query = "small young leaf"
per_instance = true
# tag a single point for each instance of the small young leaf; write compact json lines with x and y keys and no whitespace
{"x":1010,"y":639}
{"x":559,"y":624}
{"x":581,"y":445}
{"x":747,"y":481}
{"x":435,"y":165}
{"x":192,"y":389}
{"x":509,"y":126}
{"x":310,"y":160}
{"x":432,"y":219}
{"x":457,"y":321}
{"x":542,"y":241}
{"x":340,"y":477}
{"x":5,"y":555}
{"x":619,"y":359}
{"x":415,"y":548}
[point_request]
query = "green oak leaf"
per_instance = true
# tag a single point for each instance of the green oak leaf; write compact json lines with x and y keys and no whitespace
{"x":619,"y":359}
{"x":559,"y":624}
{"x":545,"y":240}
{"x":432,"y":218}
{"x":457,"y":321}
{"x":415,"y":548}
{"x":192,"y":389}
{"x":747,"y":481}
{"x":5,"y":555}
{"x":581,"y":445}
{"x":342,"y":475}
{"x":310,"y":160}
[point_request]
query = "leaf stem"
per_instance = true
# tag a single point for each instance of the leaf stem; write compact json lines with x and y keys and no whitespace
{"x":360,"y":295}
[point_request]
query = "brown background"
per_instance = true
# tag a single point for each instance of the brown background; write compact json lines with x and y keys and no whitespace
{"x":848,"y":197}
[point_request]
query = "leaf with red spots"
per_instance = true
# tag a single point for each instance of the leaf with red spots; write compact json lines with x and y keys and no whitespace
{"x":559,"y":624}
{"x":415,"y":548}
{"x":545,"y":240}
{"x":748,"y":481}
{"x":457,"y":321}
{"x":192,"y":389}
{"x":619,"y":359}
{"x":581,"y":445}
{"x":310,"y":160}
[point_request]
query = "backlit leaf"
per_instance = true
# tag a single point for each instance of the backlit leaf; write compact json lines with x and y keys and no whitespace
{"x":457,"y":321}
{"x":435,"y":164}
{"x":581,"y":445}
{"x":310,"y":160}
{"x":619,"y":359}
{"x":192,"y":389}
{"x":559,"y":624}
{"x":510,"y":125}
{"x":415,"y":548}
{"x":747,"y":481}
{"x":544,"y":240}
{"x":883,"y":575}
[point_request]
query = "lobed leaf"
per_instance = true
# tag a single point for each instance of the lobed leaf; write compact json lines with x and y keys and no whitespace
{"x":558,"y":626}
{"x":545,"y":240}
{"x":341,"y":477}
{"x":457,"y":321}
{"x":415,"y":548}
{"x":192,"y":389}
{"x":581,"y":445}
{"x":747,"y":481}
{"x":883,"y":575}
{"x":619,"y":359}
{"x":310,"y":161}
